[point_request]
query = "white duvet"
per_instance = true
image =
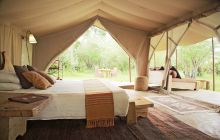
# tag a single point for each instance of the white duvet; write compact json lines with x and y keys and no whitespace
{"x":68,"y":100}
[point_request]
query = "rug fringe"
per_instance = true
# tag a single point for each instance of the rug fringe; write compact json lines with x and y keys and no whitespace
{"x":100,"y":123}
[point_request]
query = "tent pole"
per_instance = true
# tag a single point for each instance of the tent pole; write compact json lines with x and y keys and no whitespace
{"x":176,"y":59}
{"x":168,"y":62}
{"x":213,"y":64}
{"x":166,"y":47}
{"x":154,"y":47}
{"x":154,"y":60}
{"x":129,"y":68}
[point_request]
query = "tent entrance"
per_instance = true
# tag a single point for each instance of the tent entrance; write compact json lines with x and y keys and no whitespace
{"x":95,"y":54}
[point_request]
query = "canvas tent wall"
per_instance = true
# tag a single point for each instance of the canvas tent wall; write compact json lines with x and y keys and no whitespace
{"x":46,"y":18}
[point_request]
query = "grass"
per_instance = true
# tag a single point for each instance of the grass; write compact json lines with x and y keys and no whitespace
{"x":120,"y":77}
{"x":124,"y":77}
{"x":209,"y":78}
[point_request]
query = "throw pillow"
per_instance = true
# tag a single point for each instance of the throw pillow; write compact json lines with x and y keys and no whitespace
{"x":9,"y":86}
{"x":48,"y":77}
{"x":24,"y":82}
{"x":8,"y":78}
{"x":174,"y":69}
{"x":36,"y":79}
{"x":30,"y":68}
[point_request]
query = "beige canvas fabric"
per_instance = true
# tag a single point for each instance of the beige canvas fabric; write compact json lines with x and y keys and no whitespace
{"x":10,"y":41}
{"x":134,"y":42}
{"x":50,"y":46}
{"x":46,"y":16}
{"x":196,"y":33}
{"x":58,"y":20}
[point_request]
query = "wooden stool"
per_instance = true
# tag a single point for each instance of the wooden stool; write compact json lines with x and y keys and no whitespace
{"x":141,"y":107}
{"x":204,"y":84}
{"x":141,"y":83}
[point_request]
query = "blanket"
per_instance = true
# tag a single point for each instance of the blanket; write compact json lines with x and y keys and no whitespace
{"x":99,"y":104}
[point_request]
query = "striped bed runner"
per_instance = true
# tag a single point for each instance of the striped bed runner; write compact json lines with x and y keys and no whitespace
{"x":99,"y":104}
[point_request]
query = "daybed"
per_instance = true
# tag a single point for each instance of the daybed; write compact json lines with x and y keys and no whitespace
{"x":156,"y":77}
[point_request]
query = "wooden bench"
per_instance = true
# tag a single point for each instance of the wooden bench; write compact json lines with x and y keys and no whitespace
{"x":141,"y":106}
{"x":138,"y":108}
{"x":13,"y":115}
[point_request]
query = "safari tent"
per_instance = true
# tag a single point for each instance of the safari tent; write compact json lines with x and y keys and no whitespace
{"x":140,"y":27}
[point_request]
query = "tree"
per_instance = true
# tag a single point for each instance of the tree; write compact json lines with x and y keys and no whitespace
{"x":193,"y":57}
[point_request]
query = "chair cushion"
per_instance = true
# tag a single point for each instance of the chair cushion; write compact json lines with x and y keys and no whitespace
{"x":185,"y":80}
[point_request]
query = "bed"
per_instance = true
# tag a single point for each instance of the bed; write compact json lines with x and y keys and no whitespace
{"x":68,"y":100}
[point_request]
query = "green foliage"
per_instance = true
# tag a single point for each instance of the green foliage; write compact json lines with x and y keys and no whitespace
{"x":95,"y":48}
{"x":192,"y":59}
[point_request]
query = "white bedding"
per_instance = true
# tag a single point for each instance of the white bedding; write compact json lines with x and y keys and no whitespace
{"x":68,"y":100}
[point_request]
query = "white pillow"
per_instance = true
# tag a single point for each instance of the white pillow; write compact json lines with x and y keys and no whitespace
{"x":8,"y":78}
{"x":9,"y":86}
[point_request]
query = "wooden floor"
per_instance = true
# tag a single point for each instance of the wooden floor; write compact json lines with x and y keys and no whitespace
{"x":207,"y":122}
{"x":158,"y":126}
{"x":206,"y":96}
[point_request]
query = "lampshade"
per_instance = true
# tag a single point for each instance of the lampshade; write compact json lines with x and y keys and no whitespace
{"x":32,"y":39}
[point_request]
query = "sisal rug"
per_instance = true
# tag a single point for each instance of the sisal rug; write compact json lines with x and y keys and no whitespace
{"x":178,"y":105}
{"x":157,"y":126}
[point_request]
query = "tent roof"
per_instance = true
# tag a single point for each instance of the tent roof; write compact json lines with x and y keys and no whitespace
{"x":153,"y":16}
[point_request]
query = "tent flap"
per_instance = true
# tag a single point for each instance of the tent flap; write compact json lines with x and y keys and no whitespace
{"x":50,"y":46}
{"x":11,"y":42}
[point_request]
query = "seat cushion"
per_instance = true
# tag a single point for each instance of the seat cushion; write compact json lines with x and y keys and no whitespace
{"x":184,"y":80}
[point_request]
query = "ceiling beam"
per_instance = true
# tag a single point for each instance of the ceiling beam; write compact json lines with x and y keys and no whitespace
{"x":203,"y":12}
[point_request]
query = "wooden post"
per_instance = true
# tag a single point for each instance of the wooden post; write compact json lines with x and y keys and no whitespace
{"x":154,"y":60}
{"x":58,"y":74}
{"x":213,"y":64}
{"x":176,"y":59}
{"x":129,"y":67}
{"x":167,"y":47}
{"x":166,"y":61}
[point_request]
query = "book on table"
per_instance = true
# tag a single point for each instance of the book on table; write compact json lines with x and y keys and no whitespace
{"x":28,"y":98}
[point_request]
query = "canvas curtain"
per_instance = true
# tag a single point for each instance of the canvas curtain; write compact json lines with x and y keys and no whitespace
{"x":50,"y":46}
{"x":11,"y":42}
{"x":133,"y":41}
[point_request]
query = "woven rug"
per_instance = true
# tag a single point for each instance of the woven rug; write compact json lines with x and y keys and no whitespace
{"x":178,"y":105}
{"x":157,"y":126}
